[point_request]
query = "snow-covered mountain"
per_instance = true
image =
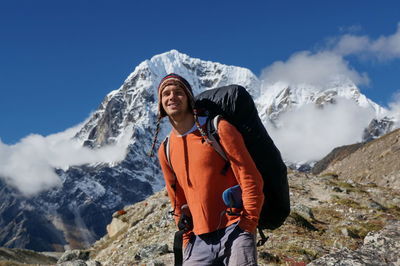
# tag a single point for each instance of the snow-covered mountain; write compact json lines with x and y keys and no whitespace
{"x":77,"y":212}
{"x":307,"y":122}
{"x":134,"y":103}
{"x":281,"y":97}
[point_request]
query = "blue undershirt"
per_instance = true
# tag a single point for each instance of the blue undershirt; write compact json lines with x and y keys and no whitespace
{"x":202,"y":121}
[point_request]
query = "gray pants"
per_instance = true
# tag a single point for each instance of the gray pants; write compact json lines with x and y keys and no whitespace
{"x":228,"y":246}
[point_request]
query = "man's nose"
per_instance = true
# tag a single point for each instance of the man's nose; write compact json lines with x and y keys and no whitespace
{"x":173,"y":95}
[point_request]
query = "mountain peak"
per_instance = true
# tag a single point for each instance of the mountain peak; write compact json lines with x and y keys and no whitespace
{"x":135,"y":102}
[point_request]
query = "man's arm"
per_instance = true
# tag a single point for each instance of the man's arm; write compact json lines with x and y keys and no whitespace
{"x":175,"y":191}
{"x":246,"y":173}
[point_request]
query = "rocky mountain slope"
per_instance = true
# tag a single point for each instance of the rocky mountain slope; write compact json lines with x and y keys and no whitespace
{"x":75,"y":214}
{"x":328,"y":215}
{"x":334,"y":218}
{"x":376,"y":162}
{"x":16,"y":257}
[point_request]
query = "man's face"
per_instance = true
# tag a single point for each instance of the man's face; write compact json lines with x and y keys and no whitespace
{"x":174,"y":100}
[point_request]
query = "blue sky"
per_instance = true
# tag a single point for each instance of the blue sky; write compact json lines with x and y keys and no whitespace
{"x":58,"y":59}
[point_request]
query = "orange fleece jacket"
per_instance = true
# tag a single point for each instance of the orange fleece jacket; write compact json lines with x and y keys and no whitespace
{"x":200,"y":183}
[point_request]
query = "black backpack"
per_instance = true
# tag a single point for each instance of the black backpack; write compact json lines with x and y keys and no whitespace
{"x":236,"y":105}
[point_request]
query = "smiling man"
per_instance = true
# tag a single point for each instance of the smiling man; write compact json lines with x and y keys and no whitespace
{"x":195,"y":182}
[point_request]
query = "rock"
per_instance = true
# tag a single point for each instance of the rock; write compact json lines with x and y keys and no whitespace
{"x":73,"y":263}
{"x":93,"y":263}
{"x":152,"y":251}
{"x":379,"y":248}
{"x":297,"y":219}
{"x":74,"y":255}
{"x":337,"y":189}
{"x":115,"y":226}
{"x":375,"y":205}
{"x":349,"y":233}
{"x":304,"y":211}
{"x":156,"y":263}
{"x":268,"y":257}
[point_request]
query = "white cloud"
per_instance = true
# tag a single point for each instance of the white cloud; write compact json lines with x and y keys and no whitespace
{"x":309,"y":133}
{"x":29,"y":165}
{"x":382,"y":48}
{"x":318,"y":69}
{"x":394,"y":108}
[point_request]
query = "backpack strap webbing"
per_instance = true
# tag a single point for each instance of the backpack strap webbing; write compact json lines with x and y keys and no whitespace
{"x":167,"y":156}
{"x":212,"y":132}
{"x":178,"y":252}
{"x":262,"y":236}
{"x":166,"y":151}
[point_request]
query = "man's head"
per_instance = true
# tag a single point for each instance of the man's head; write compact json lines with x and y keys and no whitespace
{"x":174,"y":95}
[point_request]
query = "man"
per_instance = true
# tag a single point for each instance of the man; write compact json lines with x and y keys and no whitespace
{"x":194,"y":179}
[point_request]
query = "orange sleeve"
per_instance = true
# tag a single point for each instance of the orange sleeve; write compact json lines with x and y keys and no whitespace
{"x":246,"y":173}
{"x":176,"y":196}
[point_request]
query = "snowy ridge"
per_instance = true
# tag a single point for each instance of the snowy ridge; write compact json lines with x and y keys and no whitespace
{"x":135,"y":102}
{"x":280,"y":97}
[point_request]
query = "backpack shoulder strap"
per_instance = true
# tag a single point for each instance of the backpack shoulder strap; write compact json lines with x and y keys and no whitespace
{"x":212,"y":132}
{"x":166,"y":144}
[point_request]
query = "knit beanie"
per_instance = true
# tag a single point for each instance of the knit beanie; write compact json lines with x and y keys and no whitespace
{"x":174,"y":79}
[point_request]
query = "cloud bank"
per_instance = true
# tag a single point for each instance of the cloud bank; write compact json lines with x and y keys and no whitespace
{"x":309,"y":133}
{"x":319,"y":70}
{"x":30,"y":165}
{"x":394,"y":108}
{"x":383,"y":48}
{"x":329,"y":64}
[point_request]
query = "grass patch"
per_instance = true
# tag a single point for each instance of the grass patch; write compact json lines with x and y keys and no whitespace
{"x":328,"y":214}
{"x":344,"y":185}
{"x":364,"y":228}
{"x":394,"y":210}
{"x":329,"y":174}
{"x":347,"y":202}
{"x":309,"y":254}
{"x":299,"y":220}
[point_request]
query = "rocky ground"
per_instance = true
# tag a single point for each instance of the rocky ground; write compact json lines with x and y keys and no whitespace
{"x":328,"y":215}
{"x":344,"y":215}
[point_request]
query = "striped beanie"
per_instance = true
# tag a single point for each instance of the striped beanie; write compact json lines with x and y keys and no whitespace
{"x":174,"y":79}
